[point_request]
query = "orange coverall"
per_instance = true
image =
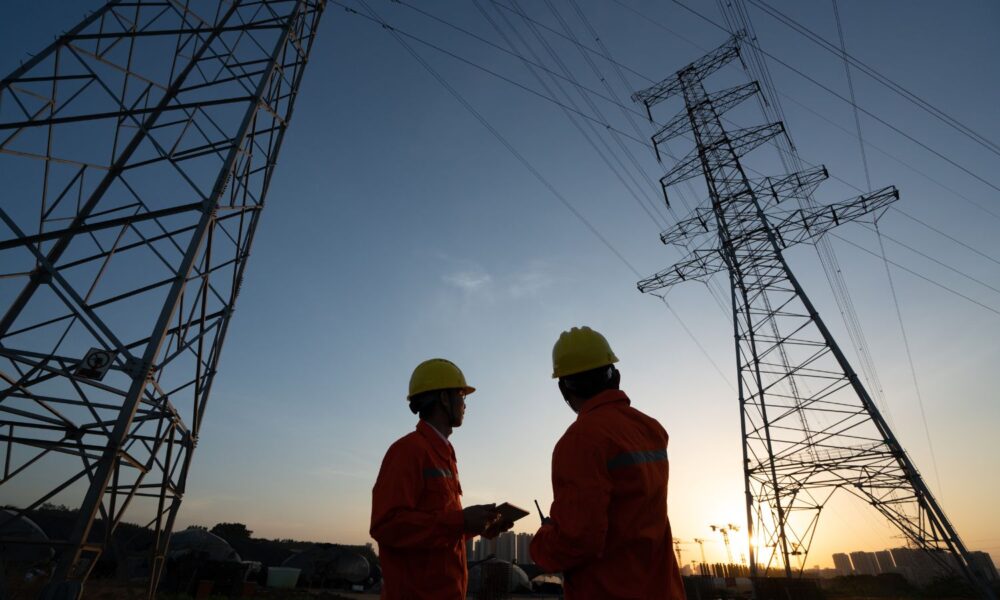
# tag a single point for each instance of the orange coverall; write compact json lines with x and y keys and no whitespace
{"x":417,"y":519}
{"x":610,"y":535}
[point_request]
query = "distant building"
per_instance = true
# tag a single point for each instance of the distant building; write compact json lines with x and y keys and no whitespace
{"x":484,"y":548}
{"x":917,"y":566}
{"x":523,"y":548}
{"x":983,"y":563}
{"x":864,"y":563}
{"x":470,"y":550}
{"x":506,"y":546}
{"x":885,"y":562}
{"x":842,"y":564}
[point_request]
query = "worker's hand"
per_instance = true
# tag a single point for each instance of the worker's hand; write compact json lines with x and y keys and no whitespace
{"x":497,"y":528}
{"x":546,"y":521}
{"x":480,"y":517}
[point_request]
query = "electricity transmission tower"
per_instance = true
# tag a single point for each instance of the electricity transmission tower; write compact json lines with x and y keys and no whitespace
{"x":809,"y":426}
{"x":135,"y":153}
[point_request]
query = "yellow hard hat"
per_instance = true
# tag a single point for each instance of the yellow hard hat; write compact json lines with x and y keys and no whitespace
{"x":580,"y":349}
{"x":437,"y":374}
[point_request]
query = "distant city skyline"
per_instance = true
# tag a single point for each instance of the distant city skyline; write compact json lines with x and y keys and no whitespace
{"x":507,"y":546}
{"x":913,"y":564}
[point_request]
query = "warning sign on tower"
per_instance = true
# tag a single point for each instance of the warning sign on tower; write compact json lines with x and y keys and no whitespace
{"x":95,"y":364}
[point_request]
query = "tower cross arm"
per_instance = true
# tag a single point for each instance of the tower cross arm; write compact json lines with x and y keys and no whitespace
{"x":686,"y":168}
{"x":794,"y":185}
{"x":720,"y":101}
{"x":699,"y":265}
{"x":741,"y":142}
{"x":806,"y":225}
{"x":699,"y":69}
{"x":700,"y":221}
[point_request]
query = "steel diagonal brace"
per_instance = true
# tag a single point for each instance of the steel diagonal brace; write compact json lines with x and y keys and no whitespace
{"x":721,"y":102}
{"x":701,"y":68}
{"x":807,"y":225}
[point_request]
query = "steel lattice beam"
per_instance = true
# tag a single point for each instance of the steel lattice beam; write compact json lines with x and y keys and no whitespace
{"x":809,"y":426}
{"x":138,"y":149}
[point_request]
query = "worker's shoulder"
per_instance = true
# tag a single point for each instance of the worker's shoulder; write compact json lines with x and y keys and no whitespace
{"x":641,"y":416}
{"x":410,"y":446}
{"x":611,"y":419}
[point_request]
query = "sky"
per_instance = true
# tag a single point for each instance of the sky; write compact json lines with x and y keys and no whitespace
{"x":399,"y":228}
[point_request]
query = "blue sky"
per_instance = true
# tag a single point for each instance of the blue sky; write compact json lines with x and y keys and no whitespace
{"x":398,"y":228}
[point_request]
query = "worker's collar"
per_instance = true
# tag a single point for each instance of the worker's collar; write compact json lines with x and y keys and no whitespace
{"x":435,"y":436}
{"x":605,"y":397}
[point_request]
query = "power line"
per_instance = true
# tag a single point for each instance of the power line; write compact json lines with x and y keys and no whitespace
{"x":507,"y":51}
{"x":713,"y":290}
{"x":593,"y":108}
{"x":842,"y":98}
{"x":894,"y":158}
{"x":915,"y":274}
{"x":551,"y":95}
{"x":597,"y":72}
{"x":392,"y":29}
{"x":555,"y":56}
{"x":568,"y":77}
{"x":792,"y":99}
{"x":854,"y":104}
{"x":479,"y":67}
{"x":537,"y":23}
{"x":942,"y":233}
{"x":764,"y":80}
{"x":881,"y":245}
{"x":520,"y":158}
{"x":569,"y":115}
{"x":876,"y":231}
{"x":712,"y":285}
{"x":882,"y":79}
{"x":663,"y":298}
{"x":909,"y":360}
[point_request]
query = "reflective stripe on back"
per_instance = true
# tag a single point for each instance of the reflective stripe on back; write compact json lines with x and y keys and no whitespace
{"x":627,"y":459}
{"x":433,"y":472}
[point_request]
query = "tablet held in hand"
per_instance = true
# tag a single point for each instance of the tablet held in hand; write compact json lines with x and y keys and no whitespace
{"x":511,"y":513}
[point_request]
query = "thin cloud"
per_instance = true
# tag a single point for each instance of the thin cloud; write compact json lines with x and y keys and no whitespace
{"x":529,"y":282}
{"x":469,"y":281}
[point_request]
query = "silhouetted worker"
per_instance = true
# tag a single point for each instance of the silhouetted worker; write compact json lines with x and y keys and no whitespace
{"x":417,"y":515}
{"x":608,"y":531}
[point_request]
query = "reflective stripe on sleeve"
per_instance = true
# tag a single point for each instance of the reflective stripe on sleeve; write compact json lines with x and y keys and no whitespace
{"x":433,"y":472}
{"x":627,"y":459}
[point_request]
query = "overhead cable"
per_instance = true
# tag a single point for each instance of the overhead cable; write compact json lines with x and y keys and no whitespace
{"x":517,"y":155}
{"x":915,"y":274}
{"x":879,"y":77}
{"x":837,"y":95}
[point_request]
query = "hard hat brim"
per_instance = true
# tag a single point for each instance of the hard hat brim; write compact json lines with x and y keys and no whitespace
{"x":583,"y":368}
{"x":467,"y":389}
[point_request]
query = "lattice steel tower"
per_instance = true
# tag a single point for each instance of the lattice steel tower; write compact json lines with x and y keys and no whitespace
{"x":135,"y":154}
{"x":809,"y":426}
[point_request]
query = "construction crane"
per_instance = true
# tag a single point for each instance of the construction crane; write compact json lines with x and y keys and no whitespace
{"x":677,"y":549}
{"x":724,"y":530}
{"x":797,"y":552}
{"x":701,"y":544}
